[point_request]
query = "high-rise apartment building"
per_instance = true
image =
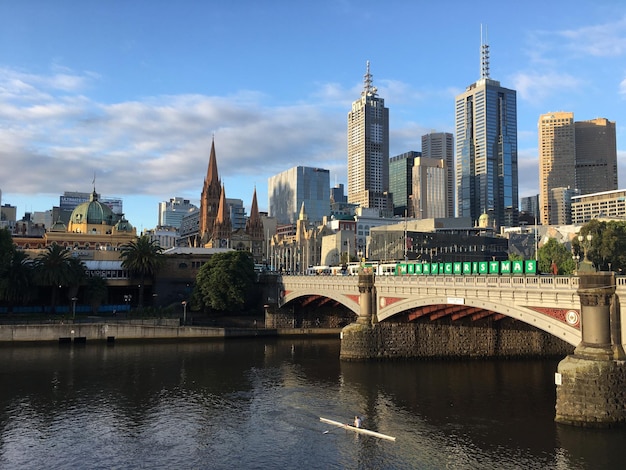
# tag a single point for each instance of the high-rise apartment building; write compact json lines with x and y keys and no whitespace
{"x":171,"y":212}
{"x":291,"y":188}
{"x":368,"y":150}
{"x":430,"y":188}
{"x":596,"y":156}
{"x":440,"y":146}
{"x":557,"y":161}
{"x":401,"y":181}
{"x":486,"y":150}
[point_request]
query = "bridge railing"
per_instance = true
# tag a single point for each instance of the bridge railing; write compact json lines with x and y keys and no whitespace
{"x":540,"y":282}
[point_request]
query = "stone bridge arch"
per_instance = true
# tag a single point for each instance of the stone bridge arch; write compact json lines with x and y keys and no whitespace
{"x":475,"y":308}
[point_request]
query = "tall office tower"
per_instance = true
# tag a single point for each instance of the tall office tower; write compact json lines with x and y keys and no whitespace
{"x":291,"y":188}
{"x":557,"y":161}
{"x":430,"y":188}
{"x":401,"y":182}
{"x":486,"y":150}
{"x":596,"y":156}
{"x":530,"y":205}
{"x":337,"y":194}
{"x":237,"y":213}
{"x":368,"y":150}
{"x":440,"y":145}
{"x":171,"y":212}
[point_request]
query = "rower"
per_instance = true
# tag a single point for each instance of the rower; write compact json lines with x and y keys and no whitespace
{"x":357,"y":422}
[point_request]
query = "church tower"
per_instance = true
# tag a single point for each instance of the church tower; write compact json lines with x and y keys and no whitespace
{"x":222,"y":227}
{"x":210,"y":199}
{"x":254,"y":230}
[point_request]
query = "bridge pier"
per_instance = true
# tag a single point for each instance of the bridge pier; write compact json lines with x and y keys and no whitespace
{"x":358,"y":340}
{"x":591,"y":383}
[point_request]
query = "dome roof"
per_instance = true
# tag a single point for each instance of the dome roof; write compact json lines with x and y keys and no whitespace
{"x":123,"y":225}
{"x":93,"y":212}
{"x":58,"y":226}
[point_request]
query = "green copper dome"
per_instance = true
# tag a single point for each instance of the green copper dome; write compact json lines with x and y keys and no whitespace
{"x":93,"y":212}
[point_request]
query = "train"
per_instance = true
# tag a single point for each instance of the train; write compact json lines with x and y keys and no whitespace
{"x":455,"y":268}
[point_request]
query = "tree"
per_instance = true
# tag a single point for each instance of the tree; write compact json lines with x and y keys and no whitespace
{"x":607,"y":247}
{"x":56,"y":267}
{"x":226,"y":282}
{"x":554,"y":252}
{"x":16,"y":279}
{"x":143,"y":258}
{"x":96,"y":292}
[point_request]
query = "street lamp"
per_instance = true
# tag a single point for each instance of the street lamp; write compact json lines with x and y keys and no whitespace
{"x":184,"y":303}
{"x":127,"y":299}
{"x":74,"y":299}
{"x":586,"y":265}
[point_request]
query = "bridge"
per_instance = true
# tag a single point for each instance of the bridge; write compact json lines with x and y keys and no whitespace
{"x":549,"y":303}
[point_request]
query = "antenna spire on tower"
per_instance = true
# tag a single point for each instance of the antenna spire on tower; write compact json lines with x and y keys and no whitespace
{"x":484,"y":54}
{"x":368,"y":89}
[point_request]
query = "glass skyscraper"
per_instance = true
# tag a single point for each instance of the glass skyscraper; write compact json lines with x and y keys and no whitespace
{"x":301,"y":184}
{"x":486,"y":150}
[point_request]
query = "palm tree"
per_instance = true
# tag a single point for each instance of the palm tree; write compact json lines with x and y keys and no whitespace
{"x":143,"y":258}
{"x":54,"y":268}
{"x":16,"y":279}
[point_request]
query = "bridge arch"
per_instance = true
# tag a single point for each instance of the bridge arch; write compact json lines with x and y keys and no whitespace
{"x":567,"y":333}
{"x":346,"y":301}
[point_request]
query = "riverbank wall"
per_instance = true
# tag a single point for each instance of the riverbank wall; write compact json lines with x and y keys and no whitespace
{"x":141,"y":330}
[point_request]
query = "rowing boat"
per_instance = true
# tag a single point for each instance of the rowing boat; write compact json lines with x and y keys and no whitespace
{"x":350,"y":427}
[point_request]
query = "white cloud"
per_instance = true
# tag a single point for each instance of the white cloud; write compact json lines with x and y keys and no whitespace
{"x":535,"y":87}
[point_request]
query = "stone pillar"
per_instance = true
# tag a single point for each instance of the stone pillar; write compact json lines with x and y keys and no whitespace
{"x":591,"y":383}
{"x":367,"y":303}
{"x":360,"y":340}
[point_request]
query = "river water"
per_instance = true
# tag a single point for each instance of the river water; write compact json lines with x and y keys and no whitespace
{"x":256,"y":404}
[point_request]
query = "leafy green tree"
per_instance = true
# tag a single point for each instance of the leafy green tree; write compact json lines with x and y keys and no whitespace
{"x":56,"y":268}
{"x":607,"y":247}
{"x":143,"y":258}
{"x":554,"y":252}
{"x":226,"y":282}
{"x":96,"y":291}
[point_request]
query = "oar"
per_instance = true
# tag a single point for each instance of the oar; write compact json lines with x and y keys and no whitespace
{"x":328,"y":431}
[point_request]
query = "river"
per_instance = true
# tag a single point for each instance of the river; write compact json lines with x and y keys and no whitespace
{"x":256,"y":404}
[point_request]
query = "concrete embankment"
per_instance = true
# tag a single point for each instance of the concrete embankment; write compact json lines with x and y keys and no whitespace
{"x":165,"y":330}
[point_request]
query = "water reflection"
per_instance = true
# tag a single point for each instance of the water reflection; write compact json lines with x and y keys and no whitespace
{"x":256,"y":404}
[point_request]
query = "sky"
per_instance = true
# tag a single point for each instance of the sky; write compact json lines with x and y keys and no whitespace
{"x":131,"y":93}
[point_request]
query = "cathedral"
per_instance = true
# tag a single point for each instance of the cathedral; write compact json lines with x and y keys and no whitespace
{"x":214,"y":224}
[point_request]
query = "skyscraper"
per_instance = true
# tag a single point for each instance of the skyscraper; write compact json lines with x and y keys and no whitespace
{"x":291,"y":188}
{"x":401,"y":181}
{"x":486,"y":150}
{"x":557,"y":161}
{"x":430,"y":178}
{"x":440,"y":145}
{"x":171,"y":212}
{"x":575,"y":157}
{"x":596,"y":156}
{"x":368,"y":150}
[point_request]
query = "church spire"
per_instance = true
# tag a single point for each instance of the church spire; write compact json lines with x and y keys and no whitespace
{"x":212,"y":175}
{"x":222,"y":229}
{"x":209,"y":199}
{"x":254,"y":224}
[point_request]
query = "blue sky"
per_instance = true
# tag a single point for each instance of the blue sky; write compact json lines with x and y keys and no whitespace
{"x":133,"y":91}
